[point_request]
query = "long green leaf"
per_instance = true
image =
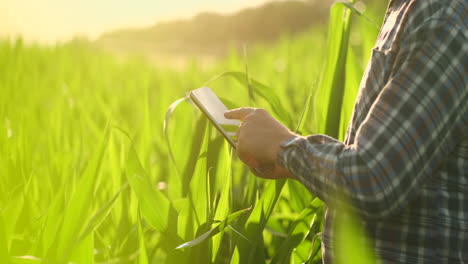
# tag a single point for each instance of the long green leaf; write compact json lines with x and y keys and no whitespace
{"x":224,"y":176}
{"x":4,"y":255}
{"x":352,"y":244}
{"x":298,"y":233}
{"x":298,"y":196}
{"x":199,"y":194}
{"x":13,"y":210}
{"x":84,"y":252}
{"x":262,"y":91}
{"x":184,"y":217}
{"x":329,"y":99}
{"x":79,"y":205}
{"x":52,"y":224}
{"x":352,"y":7}
{"x":101,"y":214}
{"x":143,"y":255}
{"x":253,"y":252}
{"x":153,"y":204}
{"x":168,"y":115}
{"x":218,"y":228}
{"x":26,"y":260}
{"x":353,"y":74}
{"x":300,"y":127}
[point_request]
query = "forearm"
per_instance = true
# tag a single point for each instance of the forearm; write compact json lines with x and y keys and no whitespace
{"x":333,"y":171}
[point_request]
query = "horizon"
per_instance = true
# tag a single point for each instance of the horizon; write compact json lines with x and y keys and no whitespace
{"x":53,"y":21}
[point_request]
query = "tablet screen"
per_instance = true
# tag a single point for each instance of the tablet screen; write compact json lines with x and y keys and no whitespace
{"x":214,"y":109}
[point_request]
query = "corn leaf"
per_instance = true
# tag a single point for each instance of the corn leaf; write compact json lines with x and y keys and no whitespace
{"x":252,"y":252}
{"x":79,"y":206}
{"x":301,"y":124}
{"x":184,"y":217}
{"x":218,"y":228}
{"x":224,"y":175}
{"x":352,"y":245}
{"x":4,"y":255}
{"x":329,"y":98}
{"x":26,"y":260}
{"x":299,"y":231}
{"x":153,"y":204}
{"x":199,"y":194}
{"x":235,"y":259}
{"x":167,"y":118}
{"x":262,"y":91}
{"x":13,"y":210}
{"x":142,"y":256}
{"x":353,"y":74}
{"x":84,"y":252}
{"x":353,"y":8}
{"x":299,"y":197}
{"x":53,"y":223}
{"x":101,"y":214}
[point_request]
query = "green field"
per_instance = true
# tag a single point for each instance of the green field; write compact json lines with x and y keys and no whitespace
{"x":97,"y":165}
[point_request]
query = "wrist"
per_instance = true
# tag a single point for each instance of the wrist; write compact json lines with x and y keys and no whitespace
{"x":279,"y":146}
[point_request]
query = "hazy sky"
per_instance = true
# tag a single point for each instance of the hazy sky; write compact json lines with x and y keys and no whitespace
{"x":52,"y":20}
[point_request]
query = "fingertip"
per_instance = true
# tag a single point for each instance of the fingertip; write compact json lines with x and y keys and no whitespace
{"x":228,"y":114}
{"x":234,"y":113}
{"x":239,"y":113}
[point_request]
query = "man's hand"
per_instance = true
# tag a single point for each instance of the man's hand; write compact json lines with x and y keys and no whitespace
{"x":258,"y":141}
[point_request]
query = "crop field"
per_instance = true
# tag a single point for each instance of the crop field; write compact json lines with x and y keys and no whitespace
{"x":106,"y":161}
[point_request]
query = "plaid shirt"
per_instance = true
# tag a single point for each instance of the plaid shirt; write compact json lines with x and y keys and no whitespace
{"x":404,"y":163}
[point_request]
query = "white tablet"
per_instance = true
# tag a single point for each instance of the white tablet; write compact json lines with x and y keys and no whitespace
{"x":205,"y":99}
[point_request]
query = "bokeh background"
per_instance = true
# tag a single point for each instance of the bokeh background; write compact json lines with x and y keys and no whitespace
{"x":103,"y":159}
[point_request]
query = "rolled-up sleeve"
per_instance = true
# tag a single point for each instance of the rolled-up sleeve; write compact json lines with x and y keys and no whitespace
{"x":412,"y":125}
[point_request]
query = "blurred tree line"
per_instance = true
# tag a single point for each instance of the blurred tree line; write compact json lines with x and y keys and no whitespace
{"x":211,"y":33}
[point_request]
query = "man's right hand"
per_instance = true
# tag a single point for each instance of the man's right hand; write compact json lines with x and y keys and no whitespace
{"x":258,"y":141}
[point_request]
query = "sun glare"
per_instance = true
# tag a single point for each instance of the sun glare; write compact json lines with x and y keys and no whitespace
{"x":53,"y":20}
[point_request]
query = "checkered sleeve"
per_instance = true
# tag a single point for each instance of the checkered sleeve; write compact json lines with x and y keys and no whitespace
{"x":411,"y":127}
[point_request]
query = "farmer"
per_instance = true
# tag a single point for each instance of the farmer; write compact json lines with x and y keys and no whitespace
{"x":404,"y":163}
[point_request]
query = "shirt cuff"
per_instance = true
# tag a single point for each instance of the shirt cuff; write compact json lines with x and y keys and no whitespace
{"x":287,"y":147}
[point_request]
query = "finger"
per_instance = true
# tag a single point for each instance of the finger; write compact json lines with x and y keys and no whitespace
{"x":255,"y":172}
{"x":239,"y":113}
{"x":265,"y":171}
{"x":249,"y":160}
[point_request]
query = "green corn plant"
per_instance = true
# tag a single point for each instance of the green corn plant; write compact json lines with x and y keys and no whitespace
{"x":93,"y":171}
{"x":79,"y":204}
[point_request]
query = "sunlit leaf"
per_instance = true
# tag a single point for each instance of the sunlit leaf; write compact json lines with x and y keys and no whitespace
{"x":142,"y":256}
{"x":101,"y":214}
{"x":262,"y":91}
{"x":352,"y":245}
{"x":223,"y":208}
{"x":26,"y":260}
{"x":167,"y":118}
{"x":153,"y":204}
{"x":299,"y":231}
{"x":199,"y":191}
{"x":4,"y":255}
{"x":84,"y":252}
{"x":218,"y":228}
{"x":252,"y":252}
{"x":79,"y":205}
